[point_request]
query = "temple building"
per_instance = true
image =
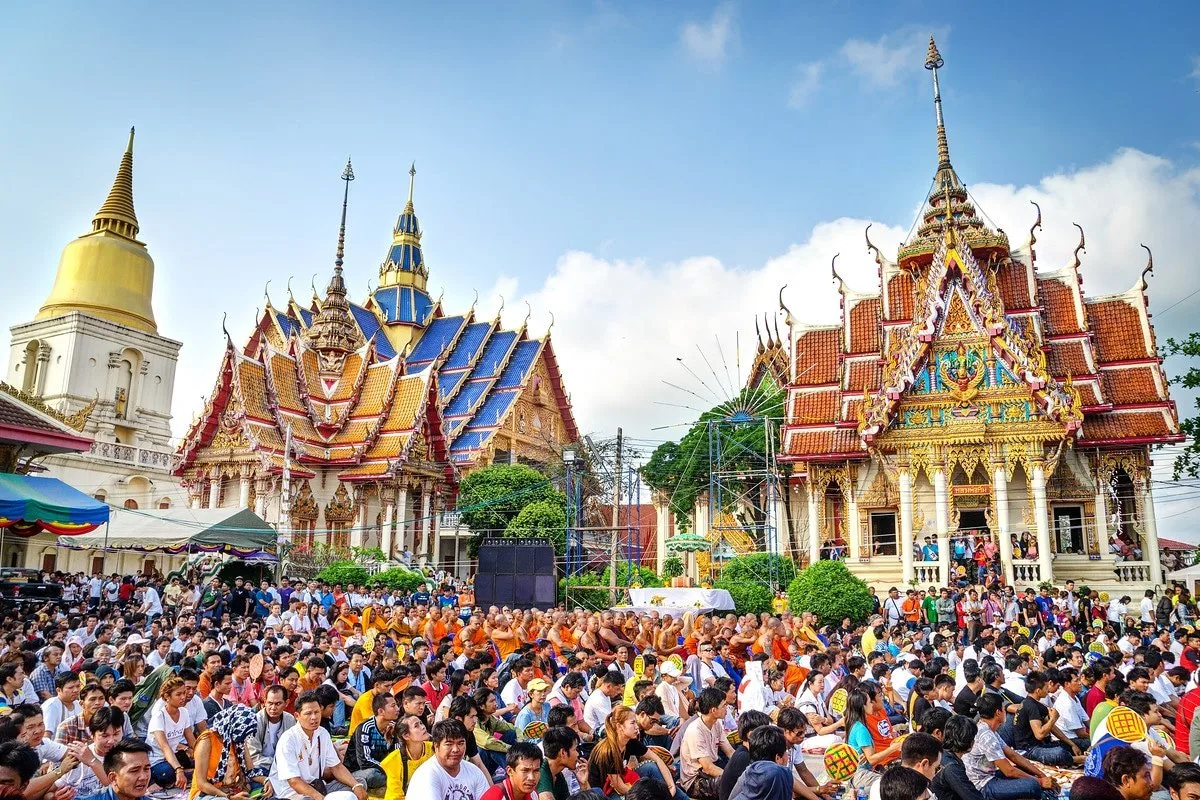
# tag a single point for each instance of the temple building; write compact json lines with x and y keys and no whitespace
{"x":971,"y":401}
{"x":93,"y":358}
{"x":351,"y":424}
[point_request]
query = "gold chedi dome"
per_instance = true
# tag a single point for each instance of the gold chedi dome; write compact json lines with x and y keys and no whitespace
{"x":108,"y":273}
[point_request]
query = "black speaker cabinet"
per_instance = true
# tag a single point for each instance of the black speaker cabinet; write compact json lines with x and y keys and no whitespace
{"x":516,"y":573}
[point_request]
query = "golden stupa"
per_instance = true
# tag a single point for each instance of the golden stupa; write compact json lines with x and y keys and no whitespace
{"x":108,"y":273}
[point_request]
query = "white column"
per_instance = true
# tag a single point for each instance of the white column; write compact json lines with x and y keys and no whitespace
{"x":1000,"y":489}
{"x":814,"y":525}
{"x":437,"y":535}
{"x":260,"y":497}
{"x":426,"y":500}
{"x":1038,"y":487}
{"x":1101,"y":515}
{"x":386,"y":543}
{"x":214,"y":492}
{"x":1150,"y":525}
{"x":360,"y":526}
{"x":244,"y":492}
{"x":942,"y":521}
{"x":906,"y":523}
{"x":401,"y":515}
{"x":783,"y":539}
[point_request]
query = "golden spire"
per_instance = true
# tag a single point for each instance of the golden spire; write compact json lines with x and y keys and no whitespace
{"x":333,"y":331}
{"x":933,"y":61}
{"x":412,"y":178}
{"x":117,"y":214}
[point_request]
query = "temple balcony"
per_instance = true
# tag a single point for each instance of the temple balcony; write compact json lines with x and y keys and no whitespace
{"x":158,"y":460}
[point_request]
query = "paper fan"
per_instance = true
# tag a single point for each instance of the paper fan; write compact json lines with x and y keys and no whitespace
{"x":677,"y":661}
{"x":1069,"y":637}
{"x":1126,"y":724}
{"x":256,"y":666}
{"x":535,"y":729}
{"x":663,"y":754}
{"x":368,"y":642}
{"x":1024,"y":631}
{"x":841,"y":761}
{"x":1098,"y":647}
{"x":639,"y":667}
{"x":735,"y":738}
{"x":837,"y":701}
{"x":1027,"y":650}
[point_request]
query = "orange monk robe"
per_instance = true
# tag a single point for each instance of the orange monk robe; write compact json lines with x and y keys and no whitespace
{"x":506,"y":647}
{"x":478,"y":638}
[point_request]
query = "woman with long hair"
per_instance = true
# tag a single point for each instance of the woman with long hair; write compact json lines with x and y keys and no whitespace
{"x":170,"y":736}
{"x":869,"y":733}
{"x":812,"y":703}
{"x":414,"y":750}
{"x":223,"y":767}
{"x":611,"y":767}
{"x":339,"y":679}
{"x":459,"y":687}
{"x":133,"y":667}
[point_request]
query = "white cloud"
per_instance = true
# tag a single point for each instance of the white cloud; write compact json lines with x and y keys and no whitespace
{"x":882,"y":62}
{"x":808,"y":81}
{"x":1195,"y":73}
{"x":710,"y":42}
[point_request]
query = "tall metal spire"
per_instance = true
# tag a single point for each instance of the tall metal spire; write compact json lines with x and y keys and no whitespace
{"x":933,"y":61}
{"x":117,"y":214}
{"x":347,"y":176}
{"x":412,"y":177}
{"x":333,"y":332}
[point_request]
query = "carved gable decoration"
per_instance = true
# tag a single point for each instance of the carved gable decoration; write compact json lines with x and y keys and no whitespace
{"x":341,"y":508}
{"x":304,"y":507}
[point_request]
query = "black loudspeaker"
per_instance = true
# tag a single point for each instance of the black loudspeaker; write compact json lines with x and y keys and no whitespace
{"x":516,"y":573}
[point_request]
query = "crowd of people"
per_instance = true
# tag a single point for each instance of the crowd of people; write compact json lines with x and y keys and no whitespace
{"x":232,"y":691}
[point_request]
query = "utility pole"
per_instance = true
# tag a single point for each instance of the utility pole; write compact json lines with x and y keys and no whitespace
{"x":616,"y":517}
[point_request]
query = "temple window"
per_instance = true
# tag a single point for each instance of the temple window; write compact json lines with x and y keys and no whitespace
{"x":131,"y":504}
{"x":164,"y":503}
{"x":1127,"y":542}
{"x":31,"y":368}
{"x":1067,"y":531}
{"x":883,"y":533}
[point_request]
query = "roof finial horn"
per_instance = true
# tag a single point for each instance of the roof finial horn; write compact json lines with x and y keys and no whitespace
{"x":412,"y":178}
{"x":788,"y":320}
{"x":291,"y":297}
{"x":1037,"y":224}
{"x":528,"y":314}
{"x":1149,"y":269}
{"x":1081,"y":248}
{"x":934,"y":61}
{"x":267,"y":293}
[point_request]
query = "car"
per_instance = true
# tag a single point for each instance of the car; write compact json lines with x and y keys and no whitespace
{"x":22,"y":587}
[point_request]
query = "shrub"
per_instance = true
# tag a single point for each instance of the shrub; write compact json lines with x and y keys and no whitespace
{"x":829,"y":590}
{"x":672,"y":568}
{"x":757,"y":568}
{"x":399,"y":579}
{"x":748,"y":597}
{"x":343,"y":573}
{"x":543,"y":519}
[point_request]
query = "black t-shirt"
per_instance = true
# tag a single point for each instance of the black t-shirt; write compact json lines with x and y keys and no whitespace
{"x":733,"y":770}
{"x":1030,"y":710}
{"x":555,"y":784}
{"x":241,"y":603}
{"x":596,"y":778}
{"x":964,"y":702}
{"x":917,"y":707}
{"x":1030,"y":609}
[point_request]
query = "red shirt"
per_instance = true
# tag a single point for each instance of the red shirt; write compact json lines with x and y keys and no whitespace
{"x":504,"y":790}
{"x":1093,"y":698}
{"x":881,"y":734}
{"x":436,"y":695}
{"x":1183,"y":719}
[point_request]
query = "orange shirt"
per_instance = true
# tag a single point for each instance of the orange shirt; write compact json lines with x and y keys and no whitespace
{"x":911,"y":607}
{"x":435,"y":631}
{"x":478,"y":638}
{"x":881,"y":734}
{"x":506,"y":647}
{"x":692,"y":645}
{"x":216,"y":753}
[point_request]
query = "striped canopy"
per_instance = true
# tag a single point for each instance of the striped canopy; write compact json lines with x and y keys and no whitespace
{"x":29,"y":504}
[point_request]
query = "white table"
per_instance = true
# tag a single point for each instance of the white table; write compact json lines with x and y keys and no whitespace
{"x":718,"y":599}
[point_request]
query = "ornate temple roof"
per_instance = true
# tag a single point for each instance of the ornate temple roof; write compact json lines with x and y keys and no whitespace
{"x":330,"y":372}
{"x":1089,"y":365}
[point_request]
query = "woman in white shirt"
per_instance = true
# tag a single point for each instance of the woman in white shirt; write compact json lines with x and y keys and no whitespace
{"x":170,"y":736}
{"x":812,"y":703}
{"x":674,"y":703}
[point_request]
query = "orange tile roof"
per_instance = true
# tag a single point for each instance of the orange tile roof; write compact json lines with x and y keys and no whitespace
{"x":253,"y":383}
{"x":808,"y":407}
{"x":1012,"y":280}
{"x":374,"y":390}
{"x":283,"y":374}
{"x":1118,"y":329}
{"x":388,"y":446}
{"x":1067,"y":358}
{"x":824,"y":442}
{"x":1120,"y":424}
{"x":851,"y":412}
{"x":409,"y":392}
{"x":1059,"y":302}
{"x":817,"y":356}
{"x":864,"y":326}
{"x":863,"y":374}
{"x":349,"y":378}
{"x":901,"y":293}
{"x":368,"y":470}
{"x":1131,"y":385}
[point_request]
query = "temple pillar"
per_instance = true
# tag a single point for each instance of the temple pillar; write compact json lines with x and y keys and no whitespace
{"x":244,"y":492}
{"x":437,"y":533}
{"x":1150,"y":549}
{"x":261,"y":487}
{"x":386,"y":540}
{"x":853,"y":529}
{"x":661,"y":523}
{"x":906,"y":524}
{"x":814,"y":524}
{"x":1101,"y":516}
{"x":1037,"y":483}
{"x":942,"y":521}
{"x":426,"y":501}
{"x":401,"y":513}
{"x":214,"y":492}
{"x":360,"y":525}
{"x":1000,"y":490}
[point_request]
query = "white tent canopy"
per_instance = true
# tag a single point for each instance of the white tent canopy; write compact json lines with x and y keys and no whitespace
{"x":236,"y":531}
{"x":1185,"y":575}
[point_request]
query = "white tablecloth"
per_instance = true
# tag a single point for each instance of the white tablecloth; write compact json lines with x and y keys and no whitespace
{"x":707,"y":598}
{"x":669,"y":611}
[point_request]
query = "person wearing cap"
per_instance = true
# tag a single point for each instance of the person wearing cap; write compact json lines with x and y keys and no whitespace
{"x":536,"y":710}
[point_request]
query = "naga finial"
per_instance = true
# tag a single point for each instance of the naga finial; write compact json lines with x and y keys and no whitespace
{"x":528,"y":314}
{"x":267,"y":293}
{"x":500,"y":310}
{"x":1037,"y":224}
{"x":313,"y":283}
{"x":834,"y":272}
{"x":291,"y":298}
{"x":224,"y":329}
{"x":770,"y":340}
{"x":441,"y":294}
{"x":550,"y":327}
{"x":476,"y":300}
{"x":369,"y":289}
{"x":1081,"y":248}
{"x":758,"y":334}
{"x":879,"y":259}
{"x":1149,"y":269}
{"x":778,"y":338}
{"x":788,"y":320}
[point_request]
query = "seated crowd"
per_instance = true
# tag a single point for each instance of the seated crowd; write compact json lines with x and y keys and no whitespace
{"x":310,"y":691}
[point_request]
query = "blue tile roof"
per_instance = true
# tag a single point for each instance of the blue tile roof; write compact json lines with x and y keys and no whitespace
{"x":368,"y":323}
{"x":434,"y":341}
{"x":286,"y":323}
{"x":405,"y":257}
{"x":407,"y":223}
{"x":468,"y":345}
{"x":492,"y":412}
{"x":464,"y":402}
{"x":471,"y":440}
{"x":447,"y":383}
{"x":519,"y":364}
{"x":306,"y":315}
{"x":403,"y":304}
{"x":494,"y":355}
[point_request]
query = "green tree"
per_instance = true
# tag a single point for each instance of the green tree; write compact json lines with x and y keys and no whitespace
{"x":343,"y":573}
{"x":543,"y":519}
{"x":1187,"y":463}
{"x":829,"y":590}
{"x":399,"y":579}
{"x":490,"y":499}
{"x":748,"y":580}
{"x":672,"y":567}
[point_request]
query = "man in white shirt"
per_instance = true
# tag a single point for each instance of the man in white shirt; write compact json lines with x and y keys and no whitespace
{"x":1072,"y":720}
{"x":305,"y":753}
{"x":65,"y":703}
{"x":151,"y":602}
{"x":1146,"y":607}
{"x":514,"y":692}
{"x":447,"y":776}
{"x":95,"y":585}
{"x":599,"y":703}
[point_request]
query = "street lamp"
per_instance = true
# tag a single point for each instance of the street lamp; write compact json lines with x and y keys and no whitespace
{"x":568,"y":457}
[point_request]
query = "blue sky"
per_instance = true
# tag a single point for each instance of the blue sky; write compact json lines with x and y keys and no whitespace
{"x":679,"y":160}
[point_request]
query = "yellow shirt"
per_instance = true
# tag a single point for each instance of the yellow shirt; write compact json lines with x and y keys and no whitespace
{"x":362,"y":709}
{"x":396,"y":765}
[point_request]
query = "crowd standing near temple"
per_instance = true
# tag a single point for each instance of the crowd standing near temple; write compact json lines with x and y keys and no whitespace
{"x":309,"y":690}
